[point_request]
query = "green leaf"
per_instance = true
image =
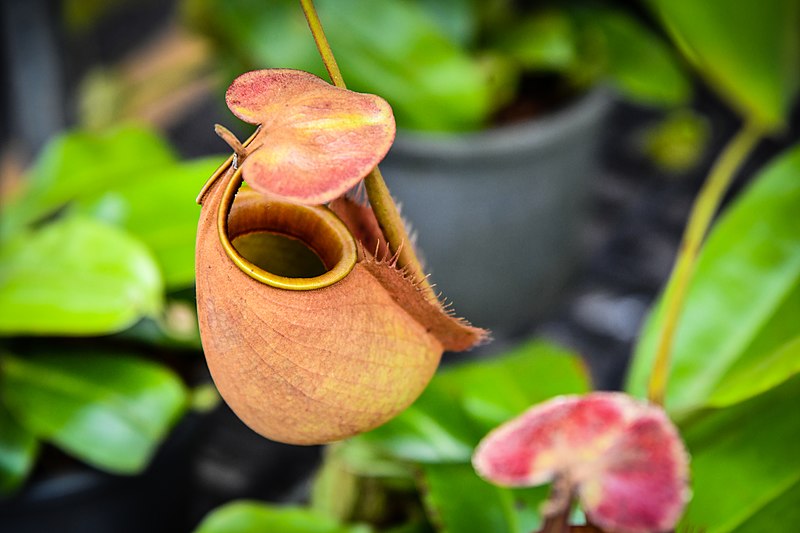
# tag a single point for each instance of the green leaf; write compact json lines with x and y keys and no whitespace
{"x":111,"y":411}
{"x":158,"y":207}
{"x":749,"y":50}
{"x":433,"y":430}
{"x":778,"y":330}
{"x":494,"y":391}
{"x":529,"y":503}
{"x":18,"y":450}
{"x":360,"y":458}
{"x":463,"y":403}
{"x":743,"y":298}
{"x":458,"y":501}
{"x":80,"y":163}
{"x":541,"y":41}
{"x":776,"y":514}
{"x":641,"y":65}
{"x":255,"y":517}
{"x":758,"y":376}
{"x":76,"y":277}
{"x":744,"y":464}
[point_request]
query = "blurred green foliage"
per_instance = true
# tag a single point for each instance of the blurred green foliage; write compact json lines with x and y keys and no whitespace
{"x":80,"y":163}
{"x":76,"y":277}
{"x":748,"y":50}
{"x":678,"y":141}
{"x":641,"y":66}
{"x":110,"y":410}
{"x":127,"y":177}
{"x":447,"y":66}
{"x":254,"y":517}
{"x":18,"y":450}
{"x":745,"y":473}
{"x":744,"y":300}
{"x":99,"y":241}
{"x":736,"y":358}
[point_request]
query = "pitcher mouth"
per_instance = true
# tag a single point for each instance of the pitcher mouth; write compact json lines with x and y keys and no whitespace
{"x":309,"y":231}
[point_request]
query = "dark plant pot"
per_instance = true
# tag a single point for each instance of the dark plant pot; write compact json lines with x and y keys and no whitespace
{"x":499,"y":212}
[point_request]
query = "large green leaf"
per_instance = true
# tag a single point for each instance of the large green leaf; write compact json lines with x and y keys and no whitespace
{"x":255,"y":517}
{"x":76,"y":277}
{"x":745,"y":472}
{"x":18,"y":448}
{"x":463,"y":403}
{"x":753,"y":378}
{"x":80,"y":163}
{"x":775,"y":515}
{"x":748,"y":49}
{"x":638,"y":63}
{"x":458,"y":501}
{"x":111,"y":411}
{"x":158,"y":207}
{"x":743,"y":302}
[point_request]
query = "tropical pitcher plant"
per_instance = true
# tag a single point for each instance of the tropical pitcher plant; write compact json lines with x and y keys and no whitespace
{"x":334,"y":330}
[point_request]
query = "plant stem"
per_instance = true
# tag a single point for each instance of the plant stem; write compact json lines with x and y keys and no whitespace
{"x":557,"y":507}
{"x":380,"y":199}
{"x":556,"y":524}
{"x":394,"y":228}
{"x":315,"y":25}
{"x":700,"y":217}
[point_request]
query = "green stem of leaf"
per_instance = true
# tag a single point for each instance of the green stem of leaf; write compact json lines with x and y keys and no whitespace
{"x":706,"y":204}
{"x":315,"y":25}
{"x":380,"y":199}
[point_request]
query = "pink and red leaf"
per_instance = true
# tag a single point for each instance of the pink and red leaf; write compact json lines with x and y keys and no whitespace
{"x":622,"y":457}
{"x":316,"y":140}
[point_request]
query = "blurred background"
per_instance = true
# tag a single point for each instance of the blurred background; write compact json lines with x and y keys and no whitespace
{"x":547,"y":157}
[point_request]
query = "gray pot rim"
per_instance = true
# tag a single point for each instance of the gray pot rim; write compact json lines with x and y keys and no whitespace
{"x":539,"y":132}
